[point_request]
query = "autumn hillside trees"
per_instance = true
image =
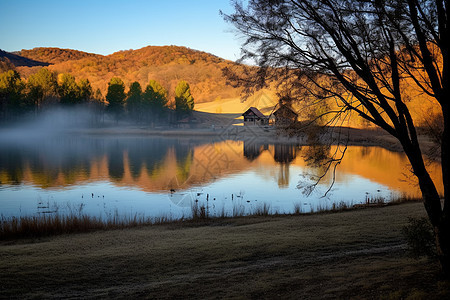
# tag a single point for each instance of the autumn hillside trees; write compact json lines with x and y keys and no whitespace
{"x":18,"y":97}
{"x":11,"y":94}
{"x":72,"y":92}
{"x":46,"y":88}
{"x":42,"y":86}
{"x":152,"y":105}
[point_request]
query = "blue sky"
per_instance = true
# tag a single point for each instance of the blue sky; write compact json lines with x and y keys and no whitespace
{"x":108,"y":26}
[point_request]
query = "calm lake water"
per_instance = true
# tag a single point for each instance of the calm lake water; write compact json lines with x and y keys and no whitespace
{"x":155,"y":176}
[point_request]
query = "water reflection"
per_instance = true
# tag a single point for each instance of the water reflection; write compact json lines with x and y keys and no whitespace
{"x":283,"y":154}
{"x":252,"y":150}
{"x":59,"y":162}
{"x":162,"y":164}
{"x":186,"y":169}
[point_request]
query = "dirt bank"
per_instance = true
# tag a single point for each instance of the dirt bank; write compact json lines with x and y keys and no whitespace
{"x":356,"y":254}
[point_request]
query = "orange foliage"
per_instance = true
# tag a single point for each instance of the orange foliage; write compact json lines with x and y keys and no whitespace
{"x":170,"y":64}
{"x":167,"y":65}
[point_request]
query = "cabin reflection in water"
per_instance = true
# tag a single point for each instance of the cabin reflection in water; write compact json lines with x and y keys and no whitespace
{"x":283,"y":155}
{"x":252,"y":150}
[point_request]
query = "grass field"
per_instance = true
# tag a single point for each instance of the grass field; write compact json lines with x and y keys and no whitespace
{"x":350,"y":254}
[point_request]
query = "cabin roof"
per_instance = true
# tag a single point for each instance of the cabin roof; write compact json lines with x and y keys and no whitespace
{"x":255,"y":111}
{"x":285,"y":109}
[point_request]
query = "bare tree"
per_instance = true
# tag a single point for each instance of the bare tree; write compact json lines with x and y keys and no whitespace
{"x":361,"y":53}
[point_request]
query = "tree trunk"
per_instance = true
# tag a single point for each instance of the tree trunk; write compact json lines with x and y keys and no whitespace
{"x":438,"y":219}
{"x":443,"y":232}
{"x":433,"y":207}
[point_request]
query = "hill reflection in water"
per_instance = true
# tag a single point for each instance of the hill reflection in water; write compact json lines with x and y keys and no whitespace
{"x":142,"y":173}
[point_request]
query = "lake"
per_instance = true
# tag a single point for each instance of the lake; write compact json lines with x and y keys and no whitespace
{"x":164,"y":177}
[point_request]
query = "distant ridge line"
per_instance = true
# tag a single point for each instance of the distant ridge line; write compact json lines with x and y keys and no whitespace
{"x":22,"y":61}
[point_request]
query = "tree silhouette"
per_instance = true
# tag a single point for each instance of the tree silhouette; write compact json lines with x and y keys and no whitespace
{"x":68,"y":89}
{"x":42,"y":85}
{"x":71,"y":92}
{"x":116,"y":96}
{"x":11,"y":93}
{"x":155,"y":99}
{"x":134,"y":101}
{"x":184,"y":101}
{"x":364,"y":55}
{"x":85,"y":90}
{"x":156,"y":94}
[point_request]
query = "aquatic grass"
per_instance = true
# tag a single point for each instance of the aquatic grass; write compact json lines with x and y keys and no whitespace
{"x":56,"y":223}
{"x":375,"y":200}
{"x":341,"y":206}
{"x":238,"y":210}
{"x":261,"y":210}
{"x":297,"y":208}
{"x":222,"y":214}
{"x":165,"y":219}
{"x":405,"y":198}
{"x":199,"y":211}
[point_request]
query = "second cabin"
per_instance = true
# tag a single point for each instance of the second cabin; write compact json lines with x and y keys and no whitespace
{"x":254,"y":117}
{"x":285,"y":115}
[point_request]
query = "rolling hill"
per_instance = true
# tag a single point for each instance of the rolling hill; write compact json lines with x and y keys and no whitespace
{"x":165,"y":64}
{"x":168,"y":65}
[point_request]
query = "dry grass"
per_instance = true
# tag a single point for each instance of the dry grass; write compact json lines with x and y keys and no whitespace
{"x":56,"y":224}
{"x":350,"y":254}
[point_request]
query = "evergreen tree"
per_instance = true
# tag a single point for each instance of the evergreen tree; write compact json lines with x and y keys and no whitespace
{"x":155,"y":100}
{"x":184,"y":101}
{"x":134,"y":101}
{"x":68,"y":90}
{"x":116,"y":96}
{"x":85,"y":90}
{"x":98,"y":105}
{"x":156,"y":96}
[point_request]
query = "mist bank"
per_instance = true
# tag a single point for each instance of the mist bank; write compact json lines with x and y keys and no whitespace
{"x":60,"y":120}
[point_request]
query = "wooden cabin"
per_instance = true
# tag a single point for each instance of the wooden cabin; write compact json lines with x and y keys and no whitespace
{"x":285,"y":115}
{"x":254,"y":117}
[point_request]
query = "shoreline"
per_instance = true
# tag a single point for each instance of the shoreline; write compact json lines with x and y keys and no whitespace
{"x":349,"y":254}
{"x":356,"y":137}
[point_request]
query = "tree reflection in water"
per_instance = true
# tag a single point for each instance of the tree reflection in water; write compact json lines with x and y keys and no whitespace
{"x":162,"y":164}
